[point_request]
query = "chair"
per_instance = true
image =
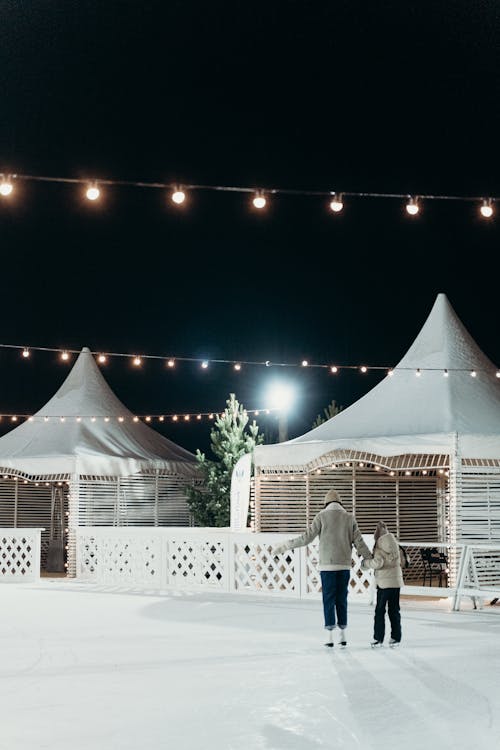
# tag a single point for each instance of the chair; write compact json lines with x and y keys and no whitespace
{"x":435,"y":565}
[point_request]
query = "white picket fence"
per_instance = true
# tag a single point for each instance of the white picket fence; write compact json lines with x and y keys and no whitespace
{"x":19,"y":554}
{"x":244,"y":563}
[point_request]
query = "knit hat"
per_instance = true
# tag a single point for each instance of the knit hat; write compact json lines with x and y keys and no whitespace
{"x":380,"y":530}
{"x":332,"y":496}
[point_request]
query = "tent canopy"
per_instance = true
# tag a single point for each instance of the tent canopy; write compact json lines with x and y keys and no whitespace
{"x":46,"y":446}
{"x":406,"y":413}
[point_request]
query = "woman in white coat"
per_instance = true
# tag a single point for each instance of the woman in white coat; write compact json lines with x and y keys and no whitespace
{"x":386,"y":563}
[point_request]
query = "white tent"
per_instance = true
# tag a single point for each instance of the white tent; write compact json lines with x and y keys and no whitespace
{"x":45,"y":445}
{"x":82,"y":460}
{"x":411,"y":413}
{"x":421,"y":449}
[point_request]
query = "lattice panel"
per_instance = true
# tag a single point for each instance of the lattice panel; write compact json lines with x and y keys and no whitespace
{"x":257,"y":570}
{"x":131,"y":559}
{"x":197,"y":562}
{"x":19,"y":556}
{"x":88,"y":557}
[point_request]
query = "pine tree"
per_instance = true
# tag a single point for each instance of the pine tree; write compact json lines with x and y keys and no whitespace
{"x":329,"y":411}
{"x":231,"y":437}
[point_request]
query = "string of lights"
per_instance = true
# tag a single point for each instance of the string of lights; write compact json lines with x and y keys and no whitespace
{"x":260,"y":196}
{"x":179,"y":417}
{"x":170,"y":362}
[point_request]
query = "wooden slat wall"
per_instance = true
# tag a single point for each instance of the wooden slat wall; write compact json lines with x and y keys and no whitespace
{"x":33,"y":507}
{"x":133,"y":501}
{"x":408,"y":505}
{"x":479,"y":515}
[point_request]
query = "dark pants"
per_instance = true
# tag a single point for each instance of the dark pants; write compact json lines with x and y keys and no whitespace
{"x":387,"y":598}
{"x":334,"y":590}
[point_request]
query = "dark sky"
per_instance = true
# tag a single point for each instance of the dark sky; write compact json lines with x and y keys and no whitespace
{"x":386,"y":97}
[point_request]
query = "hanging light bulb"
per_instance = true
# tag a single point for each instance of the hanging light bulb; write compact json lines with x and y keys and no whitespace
{"x":65,"y":356}
{"x":237,"y":366}
{"x":6,"y":186}
{"x":390,"y":373}
{"x":445,"y":374}
{"x":161,"y":419}
{"x":175,"y":418}
{"x":148,"y":419}
{"x":26,"y":353}
{"x":137,"y":361}
{"x":101,"y":358}
{"x":259,"y":200}
{"x":418,"y":373}
{"x":171,"y":363}
{"x":363,"y":368}
{"x":204,"y":364}
{"x":305,"y":363}
{"x":136,"y":419}
{"x":92,"y":193}
{"x":412,"y":207}
{"x":186,"y":417}
{"x":473,"y":373}
{"x":334,"y":369}
{"x":497,"y":374}
{"x":178,"y":196}
{"x":336,"y":204}
{"x":486,"y":209}
{"x":199,"y":416}
{"x":120,"y":419}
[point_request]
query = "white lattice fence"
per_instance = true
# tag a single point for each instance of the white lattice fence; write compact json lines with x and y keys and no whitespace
{"x":20,"y":554}
{"x":200,"y":558}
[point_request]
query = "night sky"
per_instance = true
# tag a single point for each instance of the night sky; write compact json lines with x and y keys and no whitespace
{"x":314,"y":95}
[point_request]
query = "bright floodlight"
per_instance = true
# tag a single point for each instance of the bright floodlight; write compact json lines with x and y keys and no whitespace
{"x":486,"y":209}
{"x":259,"y":201}
{"x":178,"y":196}
{"x":93,"y":193}
{"x":280,"y":396}
{"x":412,"y":207}
{"x":336,"y":204}
{"x":6,"y":187}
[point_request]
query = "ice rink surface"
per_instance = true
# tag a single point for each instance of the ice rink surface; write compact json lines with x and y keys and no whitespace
{"x":83,"y":667}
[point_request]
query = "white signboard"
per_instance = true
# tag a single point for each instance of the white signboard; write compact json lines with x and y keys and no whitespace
{"x":240,"y":493}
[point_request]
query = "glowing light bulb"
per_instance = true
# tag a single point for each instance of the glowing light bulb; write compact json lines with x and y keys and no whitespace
{"x":199,"y":416}
{"x":148,"y":419}
{"x":178,"y":196}
{"x":92,"y":192}
{"x":473,"y":374}
{"x":305,"y":363}
{"x":78,"y":419}
{"x":6,"y":187}
{"x":497,"y":374}
{"x":364,"y":369}
{"x":92,"y":419}
{"x":62,"y":419}
{"x":120,"y":419}
{"x":390,"y":373}
{"x":237,"y":366}
{"x":210,"y":416}
{"x":175,"y":418}
{"x":106,"y":419}
{"x":13,"y":419}
{"x":334,"y":369}
{"x":171,"y":363}
{"x":256,"y":413}
{"x":45,"y":419}
{"x":186,"y":417}
{"x":26,"y":353}
{"x":31,"y":419}
{"x":259,"y":201}
{"x":137,"y":361}
{"x":486,"y":209}
{"x":418,"y":373}
{"x":412,"y":207}
{"x":136,"y":419}
{"x":161,"y":419}
{"x":65,"y":356}
{"x":101,"y":358}
{"x":336,"y":204}
{"x":445,"y":374}
{"x":204,"y":364}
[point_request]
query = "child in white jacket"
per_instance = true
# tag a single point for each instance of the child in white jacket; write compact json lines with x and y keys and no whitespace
{"x":386,"y":563}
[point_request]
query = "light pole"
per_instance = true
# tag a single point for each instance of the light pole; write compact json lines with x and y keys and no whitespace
{"x":281,"y":396}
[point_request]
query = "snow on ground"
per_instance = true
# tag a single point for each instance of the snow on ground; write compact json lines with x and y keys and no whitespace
{"x":83,"y":667}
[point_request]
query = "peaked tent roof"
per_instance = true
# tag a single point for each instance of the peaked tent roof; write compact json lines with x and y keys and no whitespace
{"x":104,"y":448}
{"x":409,"y":414}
